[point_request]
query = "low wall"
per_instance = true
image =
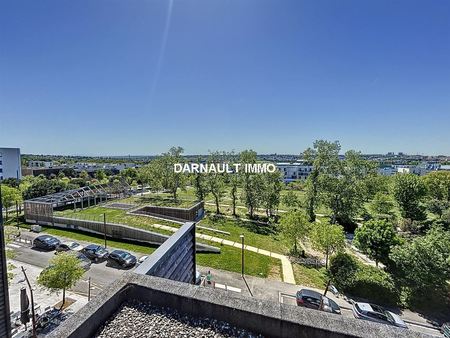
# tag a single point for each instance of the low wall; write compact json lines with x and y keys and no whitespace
{"x":115,"y":231}
{"x":271,"y":319}
{"x":175,"y":258}
{"x":192,"y":214}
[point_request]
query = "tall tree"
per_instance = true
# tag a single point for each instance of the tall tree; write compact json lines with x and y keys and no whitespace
{"x":63,"y":273}
{"x":323,"y":156}
{"x":251,"y":183}
{"x":376,"y":238}
{"x":294,"y":225}
{"x":199,"y":183}
{"x":423,"y":263}
{"x":382,"y":205}
{"x":327,"y":238}
{"x":437,"y":184}
{"x":160,"y":173}
{"x":271,"y":189}
{"x":10,"y":196}
{"x":215,"y":181}
{"x":291,"y":200}
{"x":409,"y":191}
{"x":343,"y":187}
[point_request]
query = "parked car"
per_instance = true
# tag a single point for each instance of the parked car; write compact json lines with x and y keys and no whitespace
{"x":69,"y":246}
{"x":376,"y":313}
{"x":95,"y":252}
{"x":84,"y":261}
{"x":314,"y":300}
{"x":46,"y":242}
{"x":121,"y":258}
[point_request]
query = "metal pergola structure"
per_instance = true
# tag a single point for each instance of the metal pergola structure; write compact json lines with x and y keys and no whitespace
{"x":103,"y":192}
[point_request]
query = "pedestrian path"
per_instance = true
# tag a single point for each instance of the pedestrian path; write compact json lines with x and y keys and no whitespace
{"x":288,"y":272}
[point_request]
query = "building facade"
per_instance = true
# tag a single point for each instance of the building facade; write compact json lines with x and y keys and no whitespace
{"x":10,"y":163}
{"x":294,"y":171}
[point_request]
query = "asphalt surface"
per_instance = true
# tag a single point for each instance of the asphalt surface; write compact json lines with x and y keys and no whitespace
{"x":101,"y":275}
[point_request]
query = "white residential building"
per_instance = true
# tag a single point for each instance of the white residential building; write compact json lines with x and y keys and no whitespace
{"x":10,"y":164}
{"x":294,"y":171}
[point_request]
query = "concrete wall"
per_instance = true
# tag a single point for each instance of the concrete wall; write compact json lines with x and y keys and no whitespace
{"x":116,"y":231}
{"x":175,"y":259}
{"x":271,"y":319}
{"x":177,"y":214}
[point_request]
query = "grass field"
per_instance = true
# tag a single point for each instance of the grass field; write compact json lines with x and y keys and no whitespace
{"x":309,"y":276}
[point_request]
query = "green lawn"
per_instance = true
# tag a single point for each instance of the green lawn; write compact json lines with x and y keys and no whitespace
{"x":118,"y":216}
{"x":309,"y":276}
{"x":258,"y":235}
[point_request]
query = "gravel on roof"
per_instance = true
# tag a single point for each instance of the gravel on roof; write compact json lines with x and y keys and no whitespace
{"x":139,"y":319}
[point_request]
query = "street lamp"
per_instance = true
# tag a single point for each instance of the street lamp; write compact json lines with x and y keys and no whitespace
{"x":242,"y":254}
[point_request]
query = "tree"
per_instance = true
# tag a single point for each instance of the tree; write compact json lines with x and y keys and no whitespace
{"x":201,"y":190}
{"x":234,"y":185}
{"x":423,"y":264}
{"x":130,"y":175}
{"x":327,"y":238}
{"x":343,"y":268}
{"x":215,"y":181}
{"x":382,"y":204}
{"x":84,"y":175}
{"x":9,"y":198}
{"x":251,"y":183}
{"x":271,"y":189}
{"x":343,"y":187}
{"x":160,"y":173}
{"x":42,"y":187}
{"x":100,"y":175}
{"x":291,"y":200}
{"x":63,"y":273}
{"x":408,"y":191}
{"x":375,"y":239}
{"x":323,"y":156}
{"x":437,"y":207}
{"x":437,"y":184}
{"x":294,"y":225}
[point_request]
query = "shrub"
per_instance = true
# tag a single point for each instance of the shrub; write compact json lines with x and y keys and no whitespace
{"x":342,"y":271}
{"x":362,"y":281}
{"x":375,"y":285}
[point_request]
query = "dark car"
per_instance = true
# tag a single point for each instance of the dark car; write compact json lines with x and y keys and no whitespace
{"x":314,"y":300}
{"x":95,"y":252}
{"x":121,"y":258}
{"x":46,"y":242}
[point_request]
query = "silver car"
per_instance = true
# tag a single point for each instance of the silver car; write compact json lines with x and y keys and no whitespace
{"x":376,"y":313}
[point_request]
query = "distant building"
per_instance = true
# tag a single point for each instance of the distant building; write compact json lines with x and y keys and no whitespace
{"x":40,"y":164}
{"x":10,"y":165}
{"x":294,"y":171}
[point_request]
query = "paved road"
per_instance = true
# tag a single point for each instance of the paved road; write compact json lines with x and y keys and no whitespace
{"x":101,"y":275}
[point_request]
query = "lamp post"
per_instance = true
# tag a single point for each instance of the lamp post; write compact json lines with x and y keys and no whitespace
{"x":242,"y":255}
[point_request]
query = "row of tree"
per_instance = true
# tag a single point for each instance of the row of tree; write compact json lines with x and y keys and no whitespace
{"x":254,"y":190}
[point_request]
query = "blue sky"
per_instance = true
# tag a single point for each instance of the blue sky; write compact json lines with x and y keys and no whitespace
{"x":114,"y":77}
